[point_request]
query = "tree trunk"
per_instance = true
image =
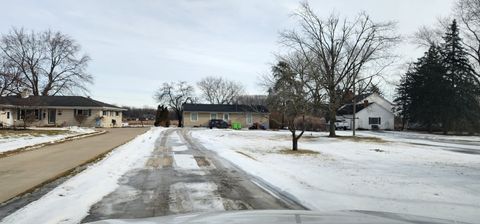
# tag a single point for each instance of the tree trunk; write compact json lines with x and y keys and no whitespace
{"x":179,"y":118}
{"x":332,"y":124}
{"x":294,"y":143}
{"x":332,"y":111}
{"x":180,"y":123}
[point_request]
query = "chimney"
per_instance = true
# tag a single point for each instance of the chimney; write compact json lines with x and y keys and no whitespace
{"x":365,"y":103}
{"x":25,"y":93}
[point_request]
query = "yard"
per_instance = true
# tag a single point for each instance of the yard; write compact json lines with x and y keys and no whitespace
{"x":11,"y":140}
{"x":420,"y":174}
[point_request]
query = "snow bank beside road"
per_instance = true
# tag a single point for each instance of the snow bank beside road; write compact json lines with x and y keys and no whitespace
{"x":71,"y":201}
{"x":346,"y":174}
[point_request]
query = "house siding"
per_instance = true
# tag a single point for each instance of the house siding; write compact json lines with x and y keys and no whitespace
{"x":65,"y":117}
{"x":374,"y":110}
{"x":6,"y":117}
{"x":238,"y":117}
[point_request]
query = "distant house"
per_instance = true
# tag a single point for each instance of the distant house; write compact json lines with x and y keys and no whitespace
{"x":58,"y":111}
{"x":198,"y":115}
{"x":372,"y":110}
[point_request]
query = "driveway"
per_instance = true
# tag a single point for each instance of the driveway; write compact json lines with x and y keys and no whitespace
{"x":182,"y":177}
{"x":27,"y":170}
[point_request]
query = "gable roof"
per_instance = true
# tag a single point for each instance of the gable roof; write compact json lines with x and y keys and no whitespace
{"x":361,"y":97}
{"x":54,"y":101}
{"x":347,"y":109}
{"x":224,"y":108}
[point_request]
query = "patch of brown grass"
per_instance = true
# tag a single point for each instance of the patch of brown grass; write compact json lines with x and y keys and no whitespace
{"x":361,"y":139}
{"x":298,"y":152}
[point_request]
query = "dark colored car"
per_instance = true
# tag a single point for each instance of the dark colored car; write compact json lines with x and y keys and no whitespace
{"x":257,"y":126}
{"x":217,"y":123}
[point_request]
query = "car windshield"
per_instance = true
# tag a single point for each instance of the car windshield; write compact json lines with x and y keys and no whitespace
{"x":239,"y":111}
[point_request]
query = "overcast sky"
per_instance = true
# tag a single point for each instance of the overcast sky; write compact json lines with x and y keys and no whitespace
{"x":137,"y":45}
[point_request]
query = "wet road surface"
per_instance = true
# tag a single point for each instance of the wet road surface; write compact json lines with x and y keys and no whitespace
{"x":182,"y":177}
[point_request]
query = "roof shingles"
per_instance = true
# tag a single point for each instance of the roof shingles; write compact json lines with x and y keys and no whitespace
{"x":224,"y":108}
{"x":54,"y":101}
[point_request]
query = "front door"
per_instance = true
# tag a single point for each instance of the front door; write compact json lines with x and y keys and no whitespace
{"x":52,"y":116}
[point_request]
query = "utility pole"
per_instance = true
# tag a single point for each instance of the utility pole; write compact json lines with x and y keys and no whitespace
{"x":354,"y":108}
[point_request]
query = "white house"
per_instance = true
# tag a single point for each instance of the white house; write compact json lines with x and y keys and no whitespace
{"x":372,"y":111}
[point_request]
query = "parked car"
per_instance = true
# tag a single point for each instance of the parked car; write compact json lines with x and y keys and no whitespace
{"x":341,"y":125}
{"x":217,"y":123}
{"x":256,"y":126}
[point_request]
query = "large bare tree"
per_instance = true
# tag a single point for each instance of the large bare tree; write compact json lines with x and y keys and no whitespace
{"x":50,"y":63}
{"x":217,"y":90}
{"x":9,"y":78}
{"x":174,"y":95}
{"x":340,"y":51}
{"x":468,"y":13}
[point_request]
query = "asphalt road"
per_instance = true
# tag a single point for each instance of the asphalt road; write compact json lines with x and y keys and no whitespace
{"x":27,"y":170}
{"x":182,"y":177}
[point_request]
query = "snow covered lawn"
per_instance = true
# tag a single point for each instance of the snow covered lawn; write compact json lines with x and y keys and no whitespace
{"x":391,"y":171}
{"x":12,"y":140}
{"x":70,"y":201}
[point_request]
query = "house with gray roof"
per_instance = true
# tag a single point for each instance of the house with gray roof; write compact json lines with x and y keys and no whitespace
{"x":44,"y":111}
{"x":372,"y":111}
{"x":198,"y":115}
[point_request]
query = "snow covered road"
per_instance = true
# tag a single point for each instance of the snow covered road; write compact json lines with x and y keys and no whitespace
{"x":180,"y":177}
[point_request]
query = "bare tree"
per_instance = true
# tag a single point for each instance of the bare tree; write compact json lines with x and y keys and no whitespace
{"x":253,"y":100}
{"x":340,"y":51}
{"x":49,"y":62}
{"x":9,"y":78}
{"x":174,"y":95}
{"x":468,"y":13}
{"x":217,"y":90}
{"x":80,"y":118}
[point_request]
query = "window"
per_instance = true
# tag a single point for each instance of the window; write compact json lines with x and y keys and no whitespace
{"x":249,"y":118}
{"x":193,"y":116}
{"x":213,"y":116}
{"x":8,"y":115}
{"x":117,"y":113}
{"x":226,"y":116}
{"x":373,"y":120}
{"x":83,"y":112}
{"x":104,"y":113}
{"x":21,"y":114}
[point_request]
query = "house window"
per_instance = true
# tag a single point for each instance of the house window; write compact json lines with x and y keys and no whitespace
{"x":21,"y":114}
{"x":249,"y":118}
{"x":104,"y":113}
{"x":83,"y":112}
{"x":226,"y":116}
{"x":193,"y":116}
{"x":8,"y":115}
{"x":213,"y":116}
{"x":373,"y":120}
{"x":117,"y":113}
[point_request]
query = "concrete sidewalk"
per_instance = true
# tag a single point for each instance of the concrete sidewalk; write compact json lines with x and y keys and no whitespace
{"x":25,"y":171}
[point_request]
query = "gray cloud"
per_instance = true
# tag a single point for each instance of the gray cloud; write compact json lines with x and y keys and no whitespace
{"x":137,"y":45}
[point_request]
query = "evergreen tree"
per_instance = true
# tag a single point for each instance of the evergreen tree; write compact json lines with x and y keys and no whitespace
{"x":462,"y":94}
{"x":419,"y":96}
{"x":441,"y":90}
